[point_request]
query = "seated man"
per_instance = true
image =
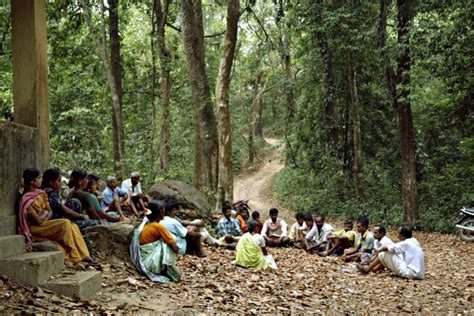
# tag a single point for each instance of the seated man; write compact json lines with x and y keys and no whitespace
{"x":341,"y":240}
{"x":317,"y":238}
{"x":188,"y":238}
{"x":298,"y":231}
{"x":275,"y":230}
{"x":405,"y":258}
{"x":133,"y":188}
{"x":363,"y":245}
{"x":228,"y":227}
{"x":114,"y":197}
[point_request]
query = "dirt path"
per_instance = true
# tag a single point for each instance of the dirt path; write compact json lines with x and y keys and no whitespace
{"x":256,"y":186}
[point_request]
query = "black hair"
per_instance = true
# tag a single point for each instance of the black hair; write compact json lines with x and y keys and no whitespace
{"x":76,"y":176}
{"x":349,"y":222}
{"x":155,"y":206}
{"x":29,"y":175}
{"x":273,"y":211}
{"x":406,"y":232}
{"x":299,"y":215}
{"x":251,"y":225}
{"x":255,"y":215}
{"x":93,"y":176}
{"x":364,"y":221}
{"x":50,"y":175}
{"x":307,"y":217}
{"x":382,"y":229}
{"x":226,"y":206}
{"x":170,"y":203}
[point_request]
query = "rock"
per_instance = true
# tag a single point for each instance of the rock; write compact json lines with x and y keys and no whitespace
{"x":195,"y":204}
{"x":43,"y":246}
{"x":111,"y":240}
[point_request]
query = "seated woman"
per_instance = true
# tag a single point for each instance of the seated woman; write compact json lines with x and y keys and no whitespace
{"x":36,"y":224}
{"x":51,"y":185}
{"x":243,"y":217}
{"x":90,"y":203}
{"x":251,"y":250}
{"x":153,"y":249}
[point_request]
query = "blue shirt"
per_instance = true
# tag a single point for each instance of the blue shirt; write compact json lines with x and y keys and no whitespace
{"x":229,"y":226}
{"x":109,"y":195}
{"x":179,"y":232}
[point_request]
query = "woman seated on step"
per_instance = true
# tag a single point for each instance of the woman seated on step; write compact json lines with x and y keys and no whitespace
{"x":36,"y":223}
{"x":90,"y":203}
{"x":153,"y":249}
{"x":73,"y":211}
{"x":251,"y":250}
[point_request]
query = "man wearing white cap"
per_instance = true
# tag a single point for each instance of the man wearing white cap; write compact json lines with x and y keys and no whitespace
{"x":134,"y":189}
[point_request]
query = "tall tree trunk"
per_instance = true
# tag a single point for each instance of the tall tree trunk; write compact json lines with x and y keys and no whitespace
{"x":356,"y":126}
{"x":154,"y":79}
{"x":161,"y":16}
{"x":251,"y":129}
{"x":258,"y":126}
{"x":225,"y":187}
{"x":206,"y":145}
{"x":101,"y":42}
{"x":404,"y":115}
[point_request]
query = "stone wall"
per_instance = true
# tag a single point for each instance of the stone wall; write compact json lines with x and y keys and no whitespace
{"x":17,"y":152}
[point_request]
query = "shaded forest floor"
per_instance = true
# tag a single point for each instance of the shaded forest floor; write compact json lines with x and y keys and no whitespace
{"x":302,"y":284}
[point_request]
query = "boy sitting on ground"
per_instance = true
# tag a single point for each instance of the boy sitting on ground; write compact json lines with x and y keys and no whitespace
{"x":363,"y":245}
{"x":298,"y":231}
{"x":340,"y":240}
{"x":256,"y":217}
{"x":229,"y":228}
{"x":275,"y":230}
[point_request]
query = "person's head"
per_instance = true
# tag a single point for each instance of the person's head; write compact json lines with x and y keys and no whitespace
{"x":255,"y":216}
{"x":111,"y":182}
{"x":157,"y":209}
{"x":92,"y":182}
{"x":362,"y":225}
{"x":404,"y":233}
{"x":135,"y":178}
{"x":273,"y":214}
{"x":226,"y":209}
{"x":308,"y":219}
{"x":244,"y":212}
{"x":253,"y":227}
{"x":77,"y":179}
{"x":299,"y":218}
{"x":52,"y":179}
{"x":379,"y":232}
{"x":348,"y":225}
{"x":319,"y":221}
{"x":32,"y":179}
{"x":171,"y":206}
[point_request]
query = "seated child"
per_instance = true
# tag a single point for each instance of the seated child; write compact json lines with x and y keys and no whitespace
{"x":275,"y":230}
{"x":298,"y":231}
{"x":364,"y":244}
{"x":256,"y":217}
{"x":340,"y":240}
{"x":228,"y":227}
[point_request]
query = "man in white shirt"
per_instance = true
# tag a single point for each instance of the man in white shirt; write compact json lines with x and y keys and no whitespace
{"x":134,"y":190}
{"x":405,"y":258}
{"x":317,"y":238}
{"x":275,"y":230}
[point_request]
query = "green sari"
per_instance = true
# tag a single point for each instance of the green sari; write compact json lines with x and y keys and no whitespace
{"x":250,"y":255}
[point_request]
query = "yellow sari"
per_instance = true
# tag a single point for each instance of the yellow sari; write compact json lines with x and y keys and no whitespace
{"x":62,"y":232}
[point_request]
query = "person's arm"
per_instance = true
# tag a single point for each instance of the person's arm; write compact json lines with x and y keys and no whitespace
{"x":284,"y":228}
{"x":264,"y":230}
{"x":71,"y":213}
{"x":395,"y":248}
{"x":265,"y":251}
{"x":237,"y":229}
{"x":293,"y":233}
{"x":174,"y":247}
{"x":38,"y":220}
{"x":220,"y":228}
{"x":312,"y":233}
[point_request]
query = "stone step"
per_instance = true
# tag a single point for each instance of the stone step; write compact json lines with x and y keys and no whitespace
{"x":32,"y":268}
{"x":83,"y":285}
{"x":11,"y":246}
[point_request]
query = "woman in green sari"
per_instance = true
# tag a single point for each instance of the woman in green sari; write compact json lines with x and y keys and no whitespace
{"x":251,"y":250}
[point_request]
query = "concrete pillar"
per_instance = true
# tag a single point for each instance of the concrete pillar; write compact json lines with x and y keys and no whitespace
{"x":30,"y":72}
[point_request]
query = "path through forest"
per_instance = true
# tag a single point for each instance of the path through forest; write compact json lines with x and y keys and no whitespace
{"x":303,"y":283}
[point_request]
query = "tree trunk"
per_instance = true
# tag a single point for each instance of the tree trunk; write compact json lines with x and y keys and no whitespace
{"x":356,"y":126}
{"x":403,"y":109}
{"x":101,"y":43}
{"x":225,"y":188}
{"x":161,"y":16}
{"x":251,"y":129}
{"x":206,"y":145}
{"x":258,"y":126}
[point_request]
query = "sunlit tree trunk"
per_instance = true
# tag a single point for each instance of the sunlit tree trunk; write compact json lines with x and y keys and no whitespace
{"x":225,"y":184}
{"x":206,"y":145}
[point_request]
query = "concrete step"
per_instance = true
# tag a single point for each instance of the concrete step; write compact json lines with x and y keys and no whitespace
{"x":32,"y":268}
{"x":11,"y":246}
{"x":83,"y":285}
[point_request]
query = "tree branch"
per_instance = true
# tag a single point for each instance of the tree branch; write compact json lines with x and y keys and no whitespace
{"x":177,"y":29}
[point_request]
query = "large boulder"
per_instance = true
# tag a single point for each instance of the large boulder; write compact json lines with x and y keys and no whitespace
{"x":194,"y":203}
{"x":110,"y":240}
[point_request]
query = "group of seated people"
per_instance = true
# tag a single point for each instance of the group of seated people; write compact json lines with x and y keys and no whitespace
{"x":45,"y":214}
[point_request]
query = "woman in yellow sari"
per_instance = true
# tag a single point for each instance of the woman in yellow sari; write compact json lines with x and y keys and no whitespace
{"x":251,"y":250}
{"x":36,"y":224}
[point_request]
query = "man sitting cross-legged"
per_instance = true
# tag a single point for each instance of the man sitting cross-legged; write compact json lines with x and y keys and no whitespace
{"x":229,"y":228}
{"x":363,"y":245}
{"x":341,"y":240}
{"x":405,"y":258}
{"x":275,"y":230}
{"x":316,"y":240}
